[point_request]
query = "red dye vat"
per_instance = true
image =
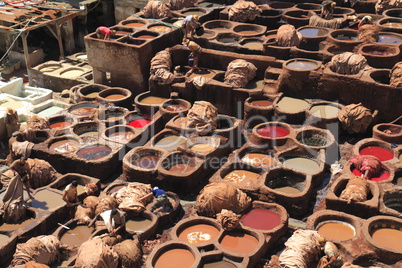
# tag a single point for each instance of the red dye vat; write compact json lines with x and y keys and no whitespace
{"x":261,"y":219}
{"x":384,"y":175}
{"x":377,"y":151}
{"x":273,"y":131}
{"x":60,"y":125}
{"x":139,"y":123}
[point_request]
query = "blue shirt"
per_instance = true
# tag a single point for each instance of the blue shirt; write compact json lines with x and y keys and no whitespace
{"x":158,"y":192}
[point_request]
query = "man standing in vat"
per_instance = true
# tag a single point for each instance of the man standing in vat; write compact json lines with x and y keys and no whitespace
{"x":104,"y":33}
{"x":162,"y":200}
{"x":22,"y":168}
{"x":190,"y":24}
{"x":70,"y":196}
{"x":195,"y":53}
{"x":327,"y":9}
{"x":115,"y":221}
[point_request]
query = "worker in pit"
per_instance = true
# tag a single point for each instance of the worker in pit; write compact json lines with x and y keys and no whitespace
{"x":365,"y":20}
{"x":332,"y":258}
{"x":190,"y":24}
{"x":195,"y":52}
{"x":115,"y":221}
{"x":327,"y":9}
{"x":22,"y":168}
{"x":70,"y":196}
{"x":162,"y":200}
{"x":104,"y":33}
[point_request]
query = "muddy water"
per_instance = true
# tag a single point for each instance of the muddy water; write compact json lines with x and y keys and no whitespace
{"x":153,"y":100}
{"x":219,"y":264}
{"x":288,"y":190}
{"x":121,"y":136}
{"x":94,"y":152}
{"x":181,"y":168}
{"x":60,"y":125}
{"x":387,"y":237}
{"x":50,"y":111}
{"x":292,"y":105}
{"x":239,"y":242}
{"x":138,"y":223}
{"x":199,"y":233}
{"x":253,"y":45}
{"x":261,"y":219}
{"x":47,"y":200}
{"x":83,"y":111}
{"x":325,"y":111}
{"x":135,"y":24}
{"x":159,"y":28}
{"x":72,"y":73}
{"x":176,"y":108}
{"x":92,"y":95}
{"x":146,"y":36}
{"x":170,"y":143}
{"x":177,"y":258}
{"x":261,"y":103}
{"x":15,"y":226}
{"x":76,"y":236}
{"x":302,"y":65}
{"x":3,"y":239}
{"x":115,"y":97}
{"x":242,"y":177}
{"x":377,"y":151}
{"x":273,"y":132}
{"x":257,"y":159}
{"x":147,"y":161}
{"x":248,"y":32}
{"x":64,"y":146}
{"x":392,"y":24}
{"x":202,"y":147}
{"x":139,"y":123}
{"x":336,"y":231}
{"x":12,"y":104}
{"x":302,"y":164}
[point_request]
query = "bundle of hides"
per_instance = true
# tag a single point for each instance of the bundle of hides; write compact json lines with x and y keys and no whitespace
{"x":91,"y":202}
{"x":355,"y":118}
{"x":84,"y":214}
{"x":95,"y":253}
{"x":356,"y":190}
{"x":228,"y":219}
{"x":106,"y":203}
{"x":160,"y":67}
{"x":239,"y":73}
{"x":45,"y":249}
{"x":244,"y":11}
{"x":156,"y":10}
{"x":130,"y":253}
{"x":179,"y":4}
{"x":301,"y":249}
{"x":34,"y":264}
{"x":130,"y":197}
{"x":90,"y":188}
{"x":396,"y":75}
{"x":199,"y":81}
{"x":287,"y":36}
{"x":368,"y":33}
{"x":347,"y":63}
{"x":111,"y":240}
{"x":13,"y":207}
{"x":369,"y":165}
{"x":317,"y":21}
{"x":217,"y":196}
{"x":21,"y":149}
{"x":7,"y":176}
{"x":202,"y":117}
{"x":35,"y":122}
{"x":42,"y":173}
{"x":383,"y":5}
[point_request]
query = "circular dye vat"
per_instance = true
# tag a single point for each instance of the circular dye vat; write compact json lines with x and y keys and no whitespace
{"x":47,"y":200}
{"x":94,"y":152}
{"x":257,"y":159}
{"x":153,"y":100}
{"x":302,"y":65}
{"x":92,"y":95}
{"x":49,"y":69}
{"x":389,"y":39}
{"x":82,"y":111}
{"x":139,"y":123}
{"x":60,"y":125}
{"x":12,"y":104}
{"x":115,"y":97}
{"x":175,"y":108}
{"x":122,"y":136}
{"x":170,"y":143}
{"x":343,"y":37}
{"x":288,"y":190}
{"x":219,"y":264}
{"x":273,"y":131}
{"x":181,"y":168}
{"x":239,"y":242}
{"x":202,"y":147}
{"x":64,"y":146}
{"x":377,"y":151}
{"x":159,"y":28}
{"x":302,"y":164}
{"x":247,"y":32}
{"x":261,"y":219}
{"x":253,"y":45}
{"x":336,"y":230}
{"x":138,"y":223}
{"x":388,"y":237}
{"x":147,"y":161}
{"x":384,"y":175}
{"x":312,"y":32}
{"x":261,"y":103}
{"x":181,"y":258}
{"x":199,"y":233}
{"x":72,"y":73}
{"x":292,"y":105}
{"x":392,"y":24}
{"x":313,"y":140}
{"x":242,"y":177}
{"x":134,"y":24}
{"x":89,"y":136}
{"x":325,"y":111}
{"x":76,"y":236}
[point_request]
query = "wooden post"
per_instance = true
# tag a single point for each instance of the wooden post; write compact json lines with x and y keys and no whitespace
{"x":24,"y":36}
{"x":68,"y":34}
{"x":59,"y":39}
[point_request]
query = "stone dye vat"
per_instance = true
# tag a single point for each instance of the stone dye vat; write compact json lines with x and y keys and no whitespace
{"x":258,"y":106}
{"x":117,"y":96}
{"x":120,"y":134}
{"x":148,"y":104}
{"x":82,"y":180}
{"x":144,"y":224}
{"x":391,"y":133}
{"x":88,"y":132}
{"x":257,"y":157}
{"x":82,"y":109}
{"x":173,"y":107}
{"x":324,"y":114}
{"x":380,"y":55}
{"x":271,"y":134}
{"x":112,"y":116}
{"x":291,"y":108}
{"x":63,"y":145}
{"x":181,"y":254}
{"x":242,"y":176}
{"x":198,"y":231}
{"x":61,"y":122}
{"x":168,"y":140}
{"x":76,"y":235}
{"x":381,"y":150}
{"x":336,"y":230}
{"x":94,"y":152}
